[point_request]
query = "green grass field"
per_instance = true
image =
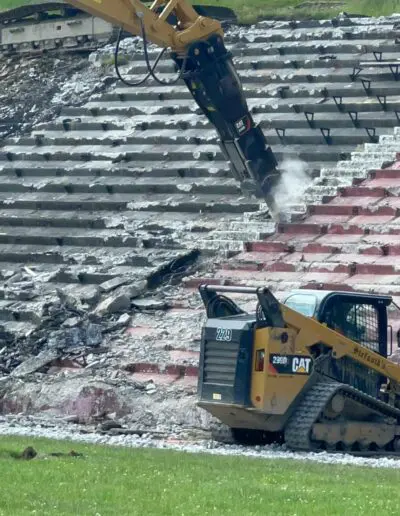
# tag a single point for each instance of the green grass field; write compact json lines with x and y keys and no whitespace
{"x":251,"y":10}
{"x":113,"y":481}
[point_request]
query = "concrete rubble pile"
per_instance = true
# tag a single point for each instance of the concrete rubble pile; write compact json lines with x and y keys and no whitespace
{"x":79,"y":359}
{"x":34,"y":88}
{"x":65,"y":326}
{"x":119,"y":201}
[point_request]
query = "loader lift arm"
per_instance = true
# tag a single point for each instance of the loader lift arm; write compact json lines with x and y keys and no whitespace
{"x":197,"y":47}
{"x":310,"y":332}
{"x":278,"y":373}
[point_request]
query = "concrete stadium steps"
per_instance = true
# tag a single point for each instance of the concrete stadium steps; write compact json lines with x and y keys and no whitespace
{"x":144,"y":152}
{"x":127,"y":111}
{"x":139,"y":202}
{"x":104,"y":169}
{"x":256,"y":84}
{"x":339,"y":136}
{"x":350,"y":243}
{"x":128,"y":220}
{"x":94,"y":262}
{"x":121,"y":186}
{"x":76,"y":146}
{"x":114,"y":127}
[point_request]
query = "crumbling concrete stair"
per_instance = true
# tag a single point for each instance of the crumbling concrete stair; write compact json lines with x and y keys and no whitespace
{"x":124,"y":184}
{"x":349,"y":243}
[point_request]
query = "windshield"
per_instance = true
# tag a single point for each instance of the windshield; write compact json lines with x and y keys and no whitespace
{"x":303,"y":303}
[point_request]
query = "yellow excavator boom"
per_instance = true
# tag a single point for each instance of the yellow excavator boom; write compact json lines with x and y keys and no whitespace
{"x":127,"y":14}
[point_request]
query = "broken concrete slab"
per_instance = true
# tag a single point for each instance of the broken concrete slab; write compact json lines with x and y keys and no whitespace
{"x":33,"y":364}
{"x":122,"y":322}
{"x":112,"y":284}
{"x":90,"y":295}
{"x":136,"y":289}
{"x":150,"y":304}
{"x":113,"y":304}
{"x":88,"y":334}
{"x":71,"y":322}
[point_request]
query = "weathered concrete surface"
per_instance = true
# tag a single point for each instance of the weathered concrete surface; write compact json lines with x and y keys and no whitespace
{"x":109,"y":194}
{"x":92,"y":184}
{"x":34,"y":89}
{"x":90,"y":400}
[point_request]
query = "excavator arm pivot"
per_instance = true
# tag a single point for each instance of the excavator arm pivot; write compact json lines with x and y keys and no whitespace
{"x":129,"y":13}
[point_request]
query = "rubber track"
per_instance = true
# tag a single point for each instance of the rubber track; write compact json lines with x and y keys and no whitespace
{"x":222,"y":433}
{"x":299,"y":427}
{"x":19,"y":17}
{"x":19,"y":13}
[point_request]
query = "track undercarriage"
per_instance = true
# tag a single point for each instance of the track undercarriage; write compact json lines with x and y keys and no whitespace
{"x":331,"y":417}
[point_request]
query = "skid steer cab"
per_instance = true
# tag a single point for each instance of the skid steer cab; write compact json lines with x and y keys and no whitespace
{"x":256,"y":366}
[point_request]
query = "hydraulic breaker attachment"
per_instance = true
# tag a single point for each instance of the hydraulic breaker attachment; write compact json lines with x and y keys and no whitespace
{"x":216,"y":87}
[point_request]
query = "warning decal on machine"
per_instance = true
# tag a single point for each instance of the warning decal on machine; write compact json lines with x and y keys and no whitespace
{"x":243,"y":125}
{"x":289,"y":364}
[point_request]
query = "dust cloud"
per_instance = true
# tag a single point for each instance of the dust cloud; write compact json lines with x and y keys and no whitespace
{"x":295,"y":179}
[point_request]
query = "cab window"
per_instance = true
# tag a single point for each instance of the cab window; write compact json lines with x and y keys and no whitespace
{"x":357,"y":321}
{"x":303,"y":303}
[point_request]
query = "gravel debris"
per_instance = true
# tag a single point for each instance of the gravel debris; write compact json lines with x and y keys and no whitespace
{"x":34,"y":89}
{"x":269,"y":452}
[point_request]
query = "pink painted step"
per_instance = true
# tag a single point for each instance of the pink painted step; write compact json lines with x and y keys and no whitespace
{"x":366,"y":189}
{"x":384,"y":173}
{"x":382,"y":182}
{"x":176,"y":370}
{"x":353,"y":206}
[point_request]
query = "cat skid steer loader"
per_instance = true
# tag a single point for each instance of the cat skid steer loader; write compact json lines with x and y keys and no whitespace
{"x":311,"y":371}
